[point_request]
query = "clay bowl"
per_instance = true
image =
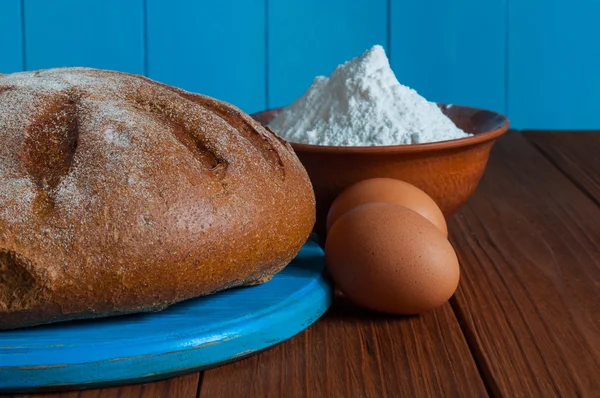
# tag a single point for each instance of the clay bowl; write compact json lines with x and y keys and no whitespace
{"x":448,"y":171}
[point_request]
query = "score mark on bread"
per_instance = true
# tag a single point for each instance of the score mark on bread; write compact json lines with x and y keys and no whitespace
{"x":50,"y":140}
{"x":191,"y":138}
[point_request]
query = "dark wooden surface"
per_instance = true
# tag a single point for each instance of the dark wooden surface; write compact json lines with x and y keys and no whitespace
{"x":182,"y":386}
{"x":575,"y":154}
{"x":525,"y":320}
{"x":351,"y":352}
{"x":529,"y":297}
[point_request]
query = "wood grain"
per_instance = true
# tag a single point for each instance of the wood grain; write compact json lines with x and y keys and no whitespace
{"x":576,"y":154}
{"x":177,"y":387}
{"x":355,"y":353}
{"x":529,"y":297}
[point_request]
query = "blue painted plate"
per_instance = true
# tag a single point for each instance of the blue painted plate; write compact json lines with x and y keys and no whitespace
{"x":192,"y":335}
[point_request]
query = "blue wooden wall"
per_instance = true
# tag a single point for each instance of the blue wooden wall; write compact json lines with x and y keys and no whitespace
{"x":538,"y":61}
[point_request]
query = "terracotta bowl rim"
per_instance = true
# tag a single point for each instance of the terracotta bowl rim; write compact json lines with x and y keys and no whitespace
{"x":409,"y":148}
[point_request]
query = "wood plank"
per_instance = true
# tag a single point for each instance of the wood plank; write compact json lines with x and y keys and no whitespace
{"x":106,"y":34}
{"x":575,"y":154}
{"x":455,"y":53}
{"x":11,"y":44}
{"x":177,"y":387}
{"x":217,"y":48}
{"x":529,"y":296}
{"x":307,"y":38}
{"x":355,"y":353}
{"x":554,"y":58}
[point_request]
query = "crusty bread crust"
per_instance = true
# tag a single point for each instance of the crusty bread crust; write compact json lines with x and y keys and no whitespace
{"x":119,"y":194}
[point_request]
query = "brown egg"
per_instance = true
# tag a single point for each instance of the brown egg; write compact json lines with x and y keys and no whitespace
{"x":388,"y":258}
{"x":387,"y":190}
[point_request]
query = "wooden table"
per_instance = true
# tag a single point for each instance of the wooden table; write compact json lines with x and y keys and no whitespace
{"x":525,"y":320}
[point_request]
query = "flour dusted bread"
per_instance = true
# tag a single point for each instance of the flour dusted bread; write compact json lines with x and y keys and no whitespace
{"x":119,"y":194}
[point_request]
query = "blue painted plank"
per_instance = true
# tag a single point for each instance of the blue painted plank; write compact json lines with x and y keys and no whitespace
{"x":107,"y":34}
{"x":194,"y":334}
{"x":554,"y":63}
{"x":451,"y":51}
{"x":308,"y":38}
{"x":11,"y":45}
{"x":215,"y":48}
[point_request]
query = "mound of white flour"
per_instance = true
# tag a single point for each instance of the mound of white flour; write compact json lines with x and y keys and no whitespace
{"x":362,"y":104}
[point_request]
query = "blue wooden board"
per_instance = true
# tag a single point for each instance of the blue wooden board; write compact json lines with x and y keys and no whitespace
{"x":107,"y":34}
{"x":191,"y":335}
{"x":307,"y":38}
{"x":554,"y":64}
{"x":11,"y":44}
{"x":451,"y":51}
{"x":217,"y":48}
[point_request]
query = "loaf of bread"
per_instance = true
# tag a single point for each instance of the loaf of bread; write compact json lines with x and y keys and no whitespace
{"x":119,"y":194}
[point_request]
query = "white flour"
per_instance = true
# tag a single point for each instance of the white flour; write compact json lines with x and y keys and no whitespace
{"x":362,"y":104}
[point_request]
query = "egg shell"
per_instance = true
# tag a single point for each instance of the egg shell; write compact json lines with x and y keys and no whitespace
{"x":388,"y":258}
{"x":387,"y":190}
